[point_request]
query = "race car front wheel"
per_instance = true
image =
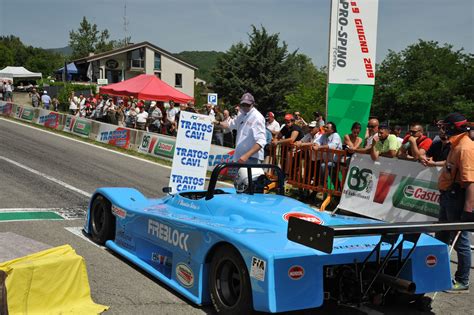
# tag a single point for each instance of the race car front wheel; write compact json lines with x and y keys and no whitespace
{"x":229,"y":283}
{"x":102,"y":221}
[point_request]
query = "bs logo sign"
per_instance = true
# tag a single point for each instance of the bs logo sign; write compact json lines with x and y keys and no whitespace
{"x":360,"y":180}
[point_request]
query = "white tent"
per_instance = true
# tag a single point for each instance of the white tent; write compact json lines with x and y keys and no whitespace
{"x":18,"y":72}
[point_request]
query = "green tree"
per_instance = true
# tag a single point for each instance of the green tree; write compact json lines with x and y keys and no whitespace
{"x":6,"y":56}
{"x":263,"y":67}
{"x":19,"y":50}
{"x":204,"y":60}
{"x":424,"y":82}
{"x":310,"y":93}
{"x":88,"y":39}
{"x":40,"y":60}
{"x":14,"y":53}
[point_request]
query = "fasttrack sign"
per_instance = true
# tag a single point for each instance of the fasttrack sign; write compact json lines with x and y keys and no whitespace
{"x":353,"y":42}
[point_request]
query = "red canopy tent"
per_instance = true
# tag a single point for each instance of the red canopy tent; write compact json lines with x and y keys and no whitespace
{"x":146,"y":87}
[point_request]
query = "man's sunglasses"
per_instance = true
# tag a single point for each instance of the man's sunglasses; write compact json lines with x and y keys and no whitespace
{"x":371,"y":126}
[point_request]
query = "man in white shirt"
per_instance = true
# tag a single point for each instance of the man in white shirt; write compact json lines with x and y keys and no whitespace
{"x":331,"y":140}
{"x":8,"y":91}
{"x":81,"y":101}
{"x":171,"y":113}
{"x":141,"y":118}
{"x":46,"y":100}
{"x":272,"y":124}
{"x":210,"y":111}
{"x":73,"y":100}
{"x":171,"y":119}
{"x":311,"y":139}
{"x":250,"y":126}
{"x":228,"y":137}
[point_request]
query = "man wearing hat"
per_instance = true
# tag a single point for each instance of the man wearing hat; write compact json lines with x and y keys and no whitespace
{"x":250,"y":126}
{"x":290,"y":132}
{"x":45,"y":99}
{"x":272,"y":124}
{"x":456,"y":185}
{"x":385,"y":145}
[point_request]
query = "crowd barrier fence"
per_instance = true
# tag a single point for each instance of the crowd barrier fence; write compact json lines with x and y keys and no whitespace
{"x":320,"y":170}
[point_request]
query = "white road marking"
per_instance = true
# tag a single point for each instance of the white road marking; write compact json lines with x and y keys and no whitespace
{"x":54,"y":180}
{"x":77,"y":230}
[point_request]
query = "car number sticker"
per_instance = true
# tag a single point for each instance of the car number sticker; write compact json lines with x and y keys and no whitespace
{"x":431,"y":260}
{"x":119,"y":212}
{"x":185,"y":275}
{"x":296,"y":272}
{"x":304,"y":216}
{"x":257,"y":270}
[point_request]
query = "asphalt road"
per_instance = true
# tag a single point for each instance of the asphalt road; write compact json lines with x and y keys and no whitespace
{"x":39,"y":170}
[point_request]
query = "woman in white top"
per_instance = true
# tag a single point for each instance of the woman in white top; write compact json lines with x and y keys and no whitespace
{"x":72,"y":104}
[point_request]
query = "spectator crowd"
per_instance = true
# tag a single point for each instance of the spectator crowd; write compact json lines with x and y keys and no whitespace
{"x":163,"y":117}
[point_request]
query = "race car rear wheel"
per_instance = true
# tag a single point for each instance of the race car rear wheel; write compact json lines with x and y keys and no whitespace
{"x":229,"y":282}
{"x":102,"y":221}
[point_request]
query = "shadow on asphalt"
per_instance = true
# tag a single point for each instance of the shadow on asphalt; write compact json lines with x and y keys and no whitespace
{"x":405,"y":309}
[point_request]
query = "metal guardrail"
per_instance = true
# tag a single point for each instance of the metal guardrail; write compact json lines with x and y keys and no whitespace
{"x":321,"y":170}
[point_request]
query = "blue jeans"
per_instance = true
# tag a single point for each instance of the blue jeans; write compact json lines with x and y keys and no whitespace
{"x":451,"y":206}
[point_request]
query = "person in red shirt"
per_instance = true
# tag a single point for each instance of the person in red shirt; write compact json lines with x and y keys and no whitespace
{"x":415,"y":144}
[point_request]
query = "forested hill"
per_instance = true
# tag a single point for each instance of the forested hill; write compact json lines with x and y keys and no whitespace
{"x":204,"y":60}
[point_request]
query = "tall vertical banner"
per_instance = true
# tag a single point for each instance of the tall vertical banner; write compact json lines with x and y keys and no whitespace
{"x":353,"y":39}
{"x":191,"y":153}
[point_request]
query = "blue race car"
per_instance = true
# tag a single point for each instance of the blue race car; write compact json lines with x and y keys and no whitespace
{"x":229,"y":247}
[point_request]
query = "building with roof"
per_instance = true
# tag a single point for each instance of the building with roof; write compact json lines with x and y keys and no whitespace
{"x":142,"y":58}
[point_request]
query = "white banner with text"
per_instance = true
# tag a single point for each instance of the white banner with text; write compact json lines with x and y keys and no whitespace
{"x":352,"y":43}
{"x":392,"y":190}
{"x":191,"y":153}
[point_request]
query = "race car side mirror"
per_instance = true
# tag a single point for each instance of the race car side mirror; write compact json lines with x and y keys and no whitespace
{"x":167,"y":190}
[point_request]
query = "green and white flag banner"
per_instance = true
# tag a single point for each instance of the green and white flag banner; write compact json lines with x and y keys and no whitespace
{"x":353,"y":38}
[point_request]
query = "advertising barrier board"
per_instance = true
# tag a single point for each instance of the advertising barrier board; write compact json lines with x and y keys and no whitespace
{"x":391,"y":190}
{"x":191,"y":153}
{"x":5,"y":108}
{"x":114,"y":135}
{"x":48,"y":119}
{"x":78,"y":126}
{"x":25,"y":113}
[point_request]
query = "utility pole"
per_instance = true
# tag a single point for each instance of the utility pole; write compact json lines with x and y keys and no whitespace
{"x":125,"y":24}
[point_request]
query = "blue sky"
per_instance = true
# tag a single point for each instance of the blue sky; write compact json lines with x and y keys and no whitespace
{"x":216,"y":24}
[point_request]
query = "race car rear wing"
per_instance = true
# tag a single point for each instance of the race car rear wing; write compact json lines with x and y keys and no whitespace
{"x":321,"y":237}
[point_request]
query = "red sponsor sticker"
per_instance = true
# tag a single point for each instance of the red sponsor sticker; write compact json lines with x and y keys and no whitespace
{"x":119,"y":212}
{"x":431,"y":260}
{"x":185,"y":275}
{"x":296,"y":272}
{"x":304,"y":216}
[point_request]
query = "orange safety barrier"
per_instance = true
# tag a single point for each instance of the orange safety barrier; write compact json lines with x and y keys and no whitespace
{"x":322,"y":170}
